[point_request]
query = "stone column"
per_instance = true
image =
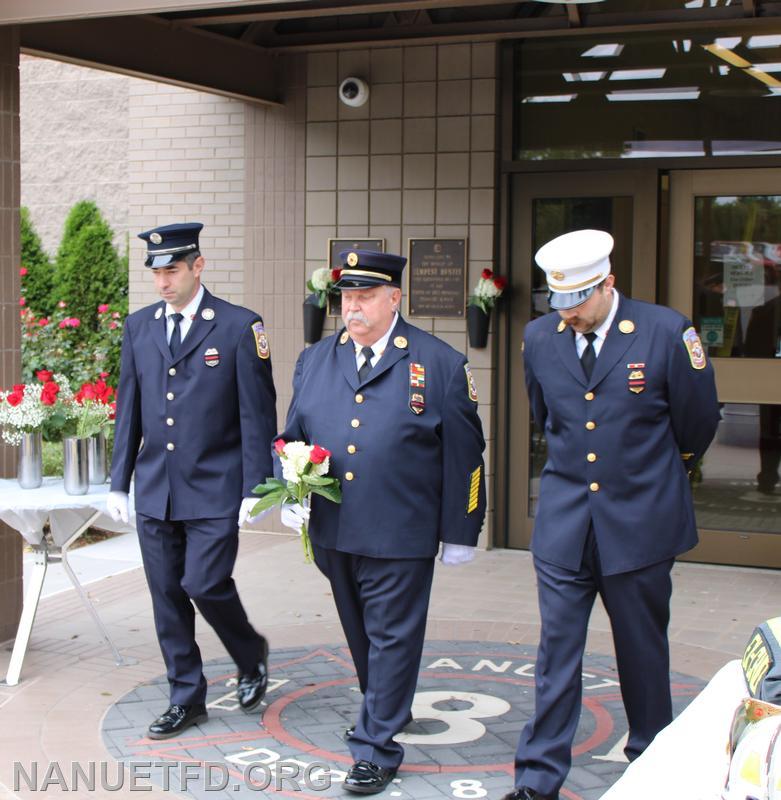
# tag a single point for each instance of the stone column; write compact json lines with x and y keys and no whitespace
{"x":10,"y":364}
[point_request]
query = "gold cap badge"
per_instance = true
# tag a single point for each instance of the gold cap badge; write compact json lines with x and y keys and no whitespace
{"x":344,"y":337}
{"x":561,"y":327}
{"x":626,"y":326}
{"x":352,"y":260}
{"x":400,"y":341}
{"x":558,"y":276}
{"x":155,"y":238}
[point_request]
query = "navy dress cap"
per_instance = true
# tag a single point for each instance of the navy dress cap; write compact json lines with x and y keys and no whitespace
{"x":574,"y":264}
{"x":170,"y":243}
{"x":362,"y":269}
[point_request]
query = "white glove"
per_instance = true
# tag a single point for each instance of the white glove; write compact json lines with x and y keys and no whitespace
{"x":117,"y":506}
{"x":453,"y":554}
{"x":245,"y":512}
{"x":294,"y":515}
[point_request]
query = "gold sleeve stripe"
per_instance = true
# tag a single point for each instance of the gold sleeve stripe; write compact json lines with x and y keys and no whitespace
{"x":474,"y":490}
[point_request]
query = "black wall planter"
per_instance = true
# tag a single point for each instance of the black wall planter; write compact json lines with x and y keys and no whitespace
{"x":314,"y":317}
{"x":477,"y":326}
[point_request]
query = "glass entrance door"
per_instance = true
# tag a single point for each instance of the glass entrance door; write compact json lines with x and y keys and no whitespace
{"x":542,"y":207}
{"x":725,"y":274}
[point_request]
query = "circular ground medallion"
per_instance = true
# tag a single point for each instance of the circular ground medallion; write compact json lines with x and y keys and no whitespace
{"x":472,"y":701}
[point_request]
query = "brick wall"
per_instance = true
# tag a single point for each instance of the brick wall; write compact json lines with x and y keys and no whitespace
{"x":186,"y":162}
{"x":10,"y":369}
{"x":74,"y":141}
{"x":417,"y":160}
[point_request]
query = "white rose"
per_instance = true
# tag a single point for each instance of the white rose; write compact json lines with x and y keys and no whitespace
{"x":296,"y":457}
{"x":321,"y":278}
{"x":320,"y":469}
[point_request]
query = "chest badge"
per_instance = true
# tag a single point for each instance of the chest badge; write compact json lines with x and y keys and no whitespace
{"x":417,"y":388}
{"x":207,"y":314}
{"x":636,"y":377}
{"x":211,"y":357}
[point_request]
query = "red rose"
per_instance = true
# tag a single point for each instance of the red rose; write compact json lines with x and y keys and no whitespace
{"x":63,"y":324}
{"x":23,"y":271}
{"x":500,"y":283}
{"x":104,"y":374}
{"x":103,"y":308}
{"x":112,"y":325}
{"x":318,"y":454}
{"x":44,"y":375}
{"x":75,"y":322}
{"x":487,"y":274}
{"x":22,"y":301}
{"x":279,"y":446}
{"x":43,"y":321}
{"x":49,"y":393}
{"x":113,"y":407}
{"x":19,"y":387}
{"x":14,"y":398}
{"x":336,"y":274}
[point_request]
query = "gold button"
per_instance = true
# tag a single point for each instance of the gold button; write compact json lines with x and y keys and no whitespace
{"x":594,"y":487}
{"x":358,"y":398}
{"x":169,"y":421}
{"x":592,"y":457}
{"x":350,"y":448}
{"x":172,"y":371}
{"x":589,"y":395}
{"x":169,"y":396}
{"x":170,"y":446}
{"x":348,"y":476}
{"x":355,"y":423}
{"x":590,"y":425}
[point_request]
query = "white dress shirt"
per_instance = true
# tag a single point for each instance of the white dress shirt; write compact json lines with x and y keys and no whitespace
{"x":581,"y":341}
{"x":188,"y":315}
{"x":378,"y":348}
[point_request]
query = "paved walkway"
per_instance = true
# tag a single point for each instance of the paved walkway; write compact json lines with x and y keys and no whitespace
{"x":62,"y":709}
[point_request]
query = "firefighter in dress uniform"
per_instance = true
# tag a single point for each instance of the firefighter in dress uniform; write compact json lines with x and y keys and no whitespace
{"x":397,"y":408}
{"x":195,"y":418}
{"x":627,"y":401}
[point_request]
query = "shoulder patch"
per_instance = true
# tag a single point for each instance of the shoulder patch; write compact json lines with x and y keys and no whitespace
{"x":470,"y":384}
{"x":261,"y":340}
{"x":694,"y":348}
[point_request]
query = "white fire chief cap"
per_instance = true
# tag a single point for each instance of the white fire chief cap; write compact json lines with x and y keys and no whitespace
{"x":574,"y":263}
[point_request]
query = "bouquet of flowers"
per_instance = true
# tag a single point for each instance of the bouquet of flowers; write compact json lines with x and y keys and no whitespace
{"x":488,"y":290}
{"x":93,"y":407}
{"x":304,"y":470}
{"x":29,"y":406}
{"x":321,"y":284}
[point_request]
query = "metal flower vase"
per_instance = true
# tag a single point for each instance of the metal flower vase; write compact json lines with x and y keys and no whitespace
{"x":75,"y":464}
{"x":98,"y":463}
{"x":29,"y":471}
{"x":314,"y":318}
{"x":477,"y":326}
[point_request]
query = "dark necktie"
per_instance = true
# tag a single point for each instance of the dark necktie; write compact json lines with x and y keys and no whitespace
{"x":589,"y":356}
{"x":366,"y":367}
{"x":176,"y":336}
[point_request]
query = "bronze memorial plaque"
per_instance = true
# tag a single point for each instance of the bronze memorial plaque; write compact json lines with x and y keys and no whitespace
{"x":336,"y":246}
{"x":436,"y":278}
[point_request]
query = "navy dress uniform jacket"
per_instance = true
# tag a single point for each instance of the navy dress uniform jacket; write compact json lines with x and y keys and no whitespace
{"x":408,"y":480}
{"x":616,"y":457}
{"x":203,"y":431}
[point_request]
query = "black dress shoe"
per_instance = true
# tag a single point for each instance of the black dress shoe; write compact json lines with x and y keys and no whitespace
{"x":365,"y":777}
{"x":177,"y":719}
{"x":251,"y":688}
{"x":525,"y":793}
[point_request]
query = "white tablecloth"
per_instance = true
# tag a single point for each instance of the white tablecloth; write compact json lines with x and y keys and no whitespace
{"x":688,"y":760}
{"x":27,"y":510}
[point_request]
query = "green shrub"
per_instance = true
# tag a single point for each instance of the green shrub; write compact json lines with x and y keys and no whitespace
{"x":36,"y":268}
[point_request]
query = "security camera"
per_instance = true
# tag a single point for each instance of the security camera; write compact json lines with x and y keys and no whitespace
{"x":354,"y":92}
